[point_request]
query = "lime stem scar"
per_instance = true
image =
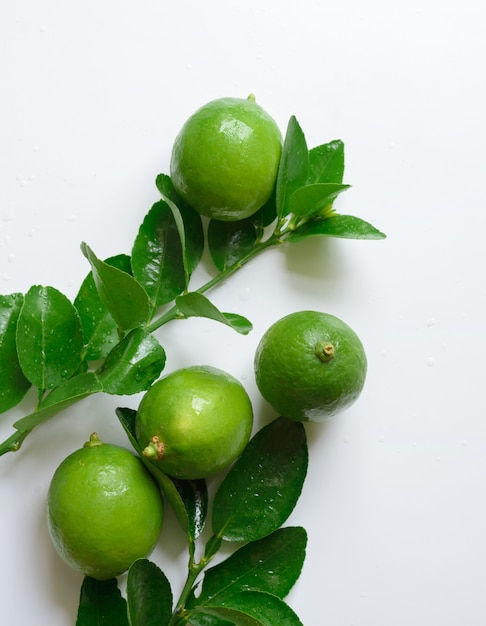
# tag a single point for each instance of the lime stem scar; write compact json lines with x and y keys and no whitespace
{"x":324,"y":351}
{"x":155,"y":449}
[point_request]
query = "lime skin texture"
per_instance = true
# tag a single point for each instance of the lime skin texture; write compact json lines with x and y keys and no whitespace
{"x":310,"y":366}
{"x":225,"y":159}
{"x":104,"y":510}
{"x":201,"y":418}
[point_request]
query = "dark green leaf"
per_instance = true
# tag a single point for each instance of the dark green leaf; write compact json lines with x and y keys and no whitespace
{"x":326,"y":163}
{"x":266,"y":215}
{"x":229,"y":242}
{"x":261,"y":489}
{"x":272,"y":564}
{"x":133,"y":364}
{"x":224,"y":616}
{"x":311,"y":199}
{"x":204,"y":619}
{"x":157,"y":256}
{"x":101,"y":604}
{"x":190,"y":513}
{"x":193,"y":231}
{"x":49,"y":337}
{"x":294,"y":166}
{"x":195,"y":498}
{"x":13,"y":384}
{"x":62,"y":397}
{"x":264,"y":607}
{"x":149,"y":595}
{"x":194,"y":304}
{"x":344,"y":226}
{"x":121,"y":293}
{"x":99,"y":328}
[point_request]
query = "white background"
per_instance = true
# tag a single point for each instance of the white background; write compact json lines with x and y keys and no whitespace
{"x":92,"y":95}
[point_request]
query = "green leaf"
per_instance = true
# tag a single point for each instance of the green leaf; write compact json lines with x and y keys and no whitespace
{"x":62,"y":397}
{"x":272,"y":564}
{"x":133,"y":364}
{"x":190,"y":510}
{"x":193,"y":235}
{"x":229,"y":242}
{"x":49,"y":337}
{"x":311,"y":199}
{"x":293,"y":168}
{"x":157,"y":256}
{"x":13,"y":384}
{"x":194,"y":495}
{"x":194,"y":304}
{"x":344,"y":226}
{"x":224,"y":616}
{"x":263,"y":486}
{"x":149,"y":595}
{"x":264,"y":607}
{"x":99,"y":328}
{"x":121,"y":293}
{"x":101,"y":604}
{"x":326,"y":163}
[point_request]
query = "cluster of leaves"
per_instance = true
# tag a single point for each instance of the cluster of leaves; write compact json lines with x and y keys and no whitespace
{"x":250,"y":506}
{"x":104,"y":341}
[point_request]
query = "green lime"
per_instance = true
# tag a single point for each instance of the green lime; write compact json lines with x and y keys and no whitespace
{"x":225,"y":159}
{"x":194,"y":422}
{"x":310,"y":366}
{"x":104,"y":510}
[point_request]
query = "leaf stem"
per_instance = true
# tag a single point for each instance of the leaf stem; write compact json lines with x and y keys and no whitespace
{"x":174,"y":312}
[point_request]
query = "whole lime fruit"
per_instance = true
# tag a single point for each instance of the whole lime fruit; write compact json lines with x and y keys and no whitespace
{"x":104,"y":510}
{"x":310,"y":366}
{"x":194,"y":422}
{"x":225,"y":159}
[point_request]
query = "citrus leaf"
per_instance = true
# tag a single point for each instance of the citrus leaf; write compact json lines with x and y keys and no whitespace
{"x":293,"y":168}
{"x":65,"y":395}
{"x":326,"y":163}
{"x":13,"y":384}
{"x":49,"y":337}
{"x":344,"y":226}
{"x":101,"y":604}
{"x":272,"y":564}
{"x":122,"y":294}
{"x":263,"y":486}
{"x":224,"y":616}
{"x":229,"y":242}
{"x":311,"y":199}
{"x":149,"y":595}
{"x":133,"y":364}
{"x":193,"y":231}
{"x":267,"y":609}
{"x":190,"y":513}
{"x":99,"y":328}
{"x":157,"y":256}
{"x":194,"y":304}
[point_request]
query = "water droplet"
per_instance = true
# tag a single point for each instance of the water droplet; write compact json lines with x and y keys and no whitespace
{"x":245,"y":294}
{"x":431,"y":322}
{"x":431,"y":361}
